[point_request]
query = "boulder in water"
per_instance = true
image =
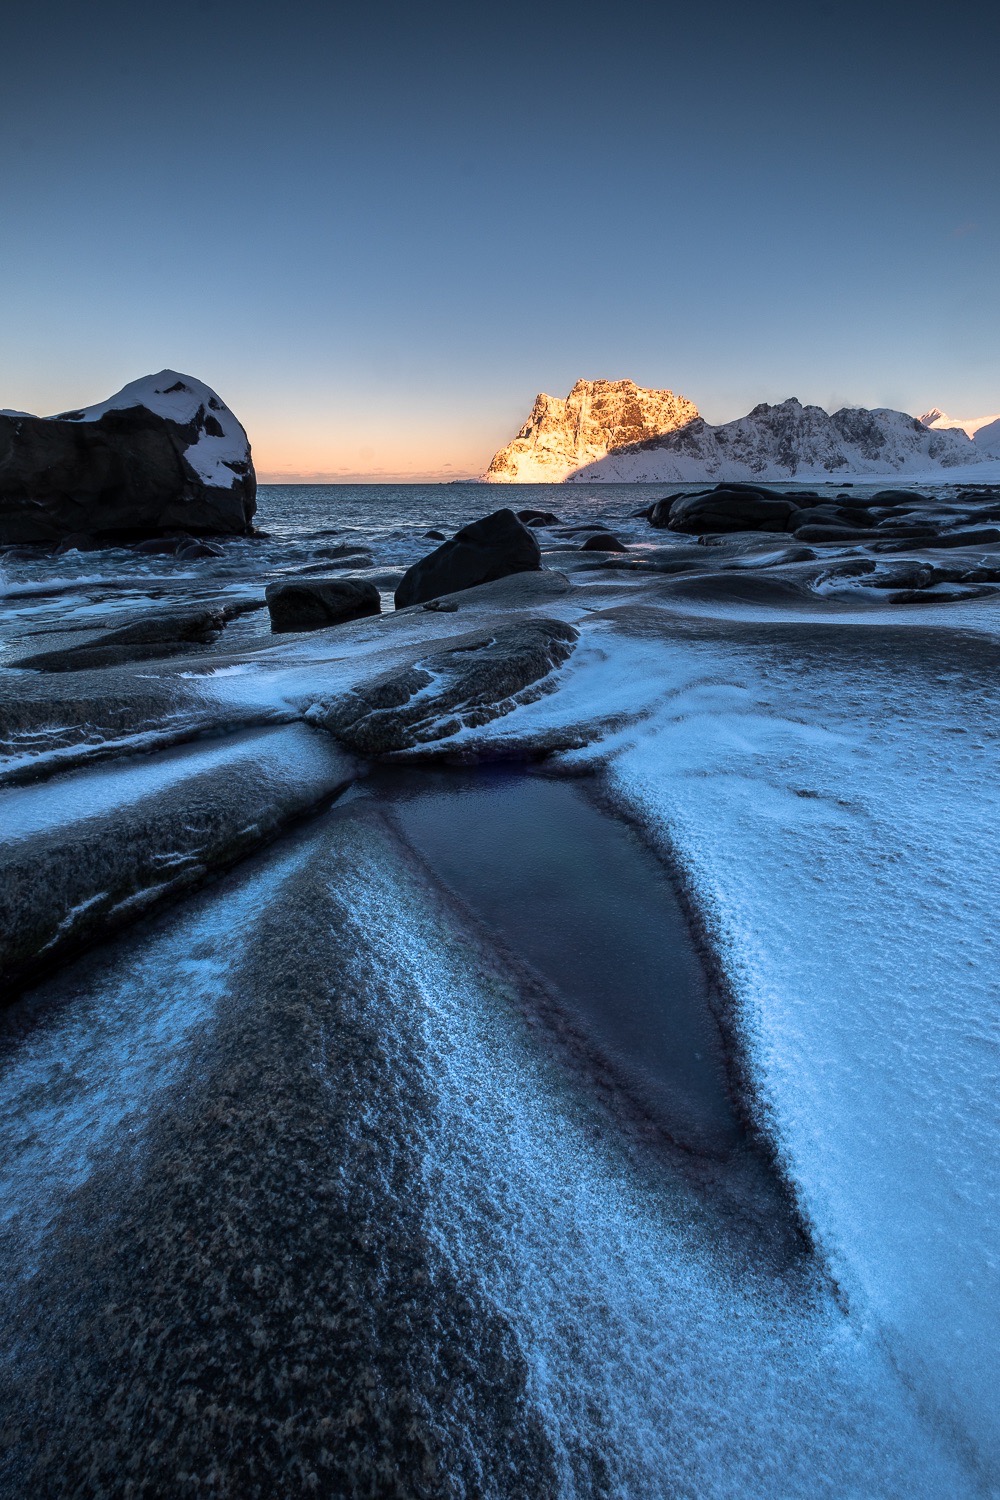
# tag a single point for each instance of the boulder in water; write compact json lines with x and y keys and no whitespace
{"x":603,"y":541}
{"x":491,"y":548}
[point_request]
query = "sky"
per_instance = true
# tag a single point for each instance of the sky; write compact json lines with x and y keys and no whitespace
{"x":377,"y":231}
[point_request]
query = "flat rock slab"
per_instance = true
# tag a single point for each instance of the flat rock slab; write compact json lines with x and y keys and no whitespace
{"x":462,"y":683}
{"x":158,"y":633}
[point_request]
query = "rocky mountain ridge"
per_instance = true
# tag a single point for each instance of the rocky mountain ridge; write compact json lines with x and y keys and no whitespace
{"x":591,"y":437}
{"x":596,"y":418}
{"x":984,"y":431}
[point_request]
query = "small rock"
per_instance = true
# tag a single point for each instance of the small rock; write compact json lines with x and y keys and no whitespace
{"x":77,"y":541}
{"x":538,"y":518}
{"x":312,"y":604}
{"x":199,"y":549}
{"x":603,"y":541}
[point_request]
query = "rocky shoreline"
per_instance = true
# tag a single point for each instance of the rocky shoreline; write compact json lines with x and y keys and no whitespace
{"x":301,"y":1258}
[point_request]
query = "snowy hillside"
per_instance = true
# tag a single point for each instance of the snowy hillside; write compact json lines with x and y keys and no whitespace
{"x":984,"y":431}
{"x":771,"y":444}
{"x":561,"y":437}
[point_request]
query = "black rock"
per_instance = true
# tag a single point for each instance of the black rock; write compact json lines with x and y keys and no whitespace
{"x":538,"y":518}
{"x":77,"y":541}
{"x":165,"y":545}
{"x":311,"y":604}
{"x":434,"y":536}
{"x":464,"y":683}
{"x":983,"y":536}
{"x":898,"y":497}
{"x":199,"y":549}
{"x":123,"y":470}
{"x":491,"y":548}
{"x":603,"y":541}
{"x":732,"y":507}
{"x":827,"y":532}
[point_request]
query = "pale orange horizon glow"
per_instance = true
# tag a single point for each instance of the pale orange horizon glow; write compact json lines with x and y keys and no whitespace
{"x":298,"y":453}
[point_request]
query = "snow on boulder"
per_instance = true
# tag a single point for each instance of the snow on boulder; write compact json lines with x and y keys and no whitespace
{"x":163,"y":454}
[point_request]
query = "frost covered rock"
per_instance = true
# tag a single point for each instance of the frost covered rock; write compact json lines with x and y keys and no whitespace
{"x":481,"y":552}
{"x":157,"y":634}
{"x":312,"y":603}
{"x":598,"y":416}
{"x":464,"y":683}
{"x":164,"y":454}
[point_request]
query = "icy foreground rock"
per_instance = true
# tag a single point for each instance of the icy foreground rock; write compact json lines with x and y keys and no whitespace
{"x":616,"y":431}
{"x":325,"y":1140}
{"x":163,"y":454}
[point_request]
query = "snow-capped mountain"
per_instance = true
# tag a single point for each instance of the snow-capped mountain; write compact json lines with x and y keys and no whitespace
{"x":562,"y":441}
{"x":984,"y":431}
{"x":598,"y":417}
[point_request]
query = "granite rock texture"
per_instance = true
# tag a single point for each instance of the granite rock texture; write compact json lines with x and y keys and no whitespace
{"x":462,"y":683}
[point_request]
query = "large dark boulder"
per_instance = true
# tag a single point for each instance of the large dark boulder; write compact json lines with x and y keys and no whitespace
{"x":313,"y":603}
{"x":163,"y":455}
{"x":734,"y":507}
{"x":491,"y":548}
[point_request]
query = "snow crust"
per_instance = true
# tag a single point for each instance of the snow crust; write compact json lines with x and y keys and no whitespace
{"x":690,"y":1376}
{"x":835,"y":816}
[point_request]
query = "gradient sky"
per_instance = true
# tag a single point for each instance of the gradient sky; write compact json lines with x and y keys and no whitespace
{"x":377,"y":231}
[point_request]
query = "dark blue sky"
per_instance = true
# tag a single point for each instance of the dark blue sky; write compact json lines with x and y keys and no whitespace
{"x":379,"y":231}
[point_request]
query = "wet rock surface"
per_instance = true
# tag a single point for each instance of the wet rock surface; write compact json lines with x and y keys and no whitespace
{"x":492,"y":548}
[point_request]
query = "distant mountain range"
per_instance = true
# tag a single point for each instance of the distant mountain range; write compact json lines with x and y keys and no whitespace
{"x":614,"y":430}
